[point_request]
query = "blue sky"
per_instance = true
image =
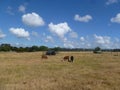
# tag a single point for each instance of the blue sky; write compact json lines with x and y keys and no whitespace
{"x":63,"y":23}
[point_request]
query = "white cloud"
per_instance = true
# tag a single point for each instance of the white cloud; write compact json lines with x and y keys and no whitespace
{"x":103,"y":41}
{"x":116,"y":19}
{"x":73,"y":35}
{"x":68,"y":43}
{"x":32,"y":19}
{"x":22,"y":8}
{"x":59,"y":29}
{"x":49,"y":39}
{"x":85,"y":42}
{"x":85,"y":18}
{"x":82,"y":39}
{"x":111,"y":2}
{"x":20,"y":33}
{"x":2,"y":35}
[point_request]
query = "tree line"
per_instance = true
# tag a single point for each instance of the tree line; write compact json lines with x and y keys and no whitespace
{"x":9,"y":47}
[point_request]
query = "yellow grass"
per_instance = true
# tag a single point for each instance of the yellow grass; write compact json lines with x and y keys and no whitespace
{"x":27,"y":71}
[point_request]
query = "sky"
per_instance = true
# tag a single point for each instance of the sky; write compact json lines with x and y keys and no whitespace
{"x":60,"y":23}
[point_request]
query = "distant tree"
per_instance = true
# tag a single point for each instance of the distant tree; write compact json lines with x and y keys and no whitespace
{"x":43,"y":48}
{"x":116,"y":50}
{"x":14,"y":48}
{"x":35,"y":48}
{"x":20,"y":49}
{"x":5,"y":47}
{"x":97,"y":50}
{"x":56,"y":49}
{"x":27,"y":49}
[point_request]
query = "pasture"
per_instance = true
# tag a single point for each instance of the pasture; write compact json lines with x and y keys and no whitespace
{"x":27,"y":71}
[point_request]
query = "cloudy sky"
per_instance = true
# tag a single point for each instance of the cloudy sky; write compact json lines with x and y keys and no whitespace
{"x":63,"y":23}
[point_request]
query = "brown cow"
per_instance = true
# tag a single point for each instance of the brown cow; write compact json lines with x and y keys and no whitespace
{"x":66,"y":58}
{"x":44,"y":56}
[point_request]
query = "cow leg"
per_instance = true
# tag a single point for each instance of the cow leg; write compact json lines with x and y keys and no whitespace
{"x":69,"y":60}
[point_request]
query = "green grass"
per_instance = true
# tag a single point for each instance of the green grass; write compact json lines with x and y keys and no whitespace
{"x":27,"y":71}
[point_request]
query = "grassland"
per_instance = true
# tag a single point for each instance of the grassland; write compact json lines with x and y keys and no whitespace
{"x":27,"y":71}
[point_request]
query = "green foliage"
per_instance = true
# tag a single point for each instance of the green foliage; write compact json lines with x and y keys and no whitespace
{"x":8,"y":47}
{"x":97,"y":50}
{"x":5,"y":47}
{"x":34,"y":48}
{"x":56,"y":49}
{"x":43,"y":48}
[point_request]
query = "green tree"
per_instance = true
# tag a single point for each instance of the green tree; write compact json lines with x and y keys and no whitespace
{"x":43,"y":48}
{"x":57,"y":48}
{"x":97,"y":50}
{"x":5,"y":47}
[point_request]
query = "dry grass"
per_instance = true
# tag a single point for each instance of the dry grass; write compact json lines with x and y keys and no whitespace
{"x":27,"y":71}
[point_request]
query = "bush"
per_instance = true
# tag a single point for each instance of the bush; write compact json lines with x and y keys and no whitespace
{"x":97,"y":50}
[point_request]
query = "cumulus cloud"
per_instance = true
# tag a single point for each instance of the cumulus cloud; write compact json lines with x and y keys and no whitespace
{"x":116,"y":19}
{"x":85,"y":18}
{"x":33,"y":19}
{"x":82,"y":39}
{"x":103,"y":41}
{"x":2,"y":35}
{"x":85,"y":42}
{"x":59,"y":29}
{"x":111,"y":2}
{"x":49,"y":39}
{"x":68,"y":44}
{"x":22,"y":8}
{"x":20,"y":33}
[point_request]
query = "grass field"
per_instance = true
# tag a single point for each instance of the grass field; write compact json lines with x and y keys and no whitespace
{"x":27,"y":71}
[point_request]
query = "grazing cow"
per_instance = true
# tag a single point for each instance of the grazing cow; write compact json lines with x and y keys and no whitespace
{"x":44,"y":56}
{"x":71,"y":59}
{"x":66,"y":58}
